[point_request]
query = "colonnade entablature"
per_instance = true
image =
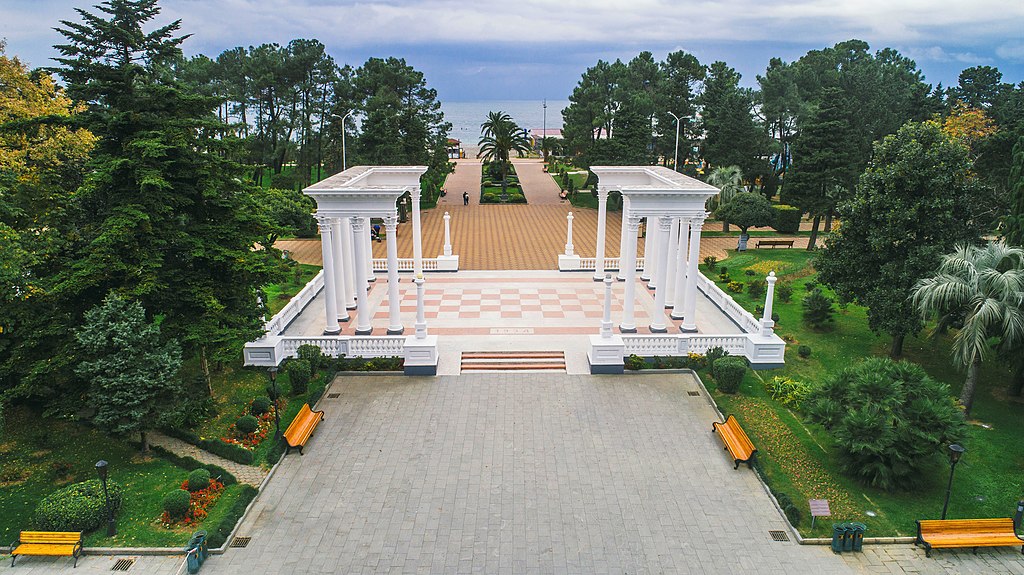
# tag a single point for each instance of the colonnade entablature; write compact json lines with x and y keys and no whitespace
{"x":365,"y":191}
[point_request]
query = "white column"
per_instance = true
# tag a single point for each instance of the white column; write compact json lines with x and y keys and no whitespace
{"x":394,"y":303}
{"x":690,"y":296}
{"x":606,"y":322}
{"x":680,"y":292}
{"x":624,"y":241}
{"x":767,"y":323}
{"x":568,"y":236}
{"x":447,"y":238}
{"x":421,"y":318}
{"x":602,"y":217}
{"x":330,"y":295}
{"x":417,"y":241}
{"x":339,"y":269}
{"x":363,"y":325}
{"x":665,"y":223}
{"x":348,"y":261}
{"x":368,"y":249}
{"x":658,"y":246}
{"x":628,"y":324}
{"x":650,"y":261}
{"x":672,"y":246}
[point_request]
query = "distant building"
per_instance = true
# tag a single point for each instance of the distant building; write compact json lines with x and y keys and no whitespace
{"x":455,"y":149}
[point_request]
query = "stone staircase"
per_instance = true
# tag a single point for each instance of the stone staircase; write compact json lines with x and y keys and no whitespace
{"x":513,"y":361}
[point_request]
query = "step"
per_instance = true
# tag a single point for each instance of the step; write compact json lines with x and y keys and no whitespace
{"x":512,"y":355}
{"x":512,"y":366}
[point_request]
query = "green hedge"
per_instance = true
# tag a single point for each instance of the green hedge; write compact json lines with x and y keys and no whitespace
{"x":78,"y":507}
{"x":729,"y":372}
{"x":787,"y":219}
{"x":190,"y":464}
{"x":229,"y":451}
{"x":219,"y":534}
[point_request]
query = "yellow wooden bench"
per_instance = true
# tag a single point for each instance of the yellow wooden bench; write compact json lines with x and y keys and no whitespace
{"x":301,"y":428}
{"x":736,"y":441}
{"x":52,"y":543}
{"x":946,"y":533}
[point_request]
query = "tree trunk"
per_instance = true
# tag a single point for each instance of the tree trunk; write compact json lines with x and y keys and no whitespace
{"x":967,"y":395}
{"x":725,"y":226}
{"x":143,"y":442}
{"x":896,"y":351}
{"x":204,"y":364}
{"x":828,"y":221}
{"x":1017,"y":383}
{"x":814,"y":234}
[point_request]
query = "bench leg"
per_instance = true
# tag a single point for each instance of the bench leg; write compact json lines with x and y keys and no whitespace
{"x":737,"y":466}
{"x":300,"y":450}
{"x":14,"y":557}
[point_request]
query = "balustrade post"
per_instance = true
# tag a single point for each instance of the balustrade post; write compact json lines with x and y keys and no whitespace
{"x":447,"y":236}
{"x":767,"y":323}
{"x":568,"y":238}
{"x":606,"y":321}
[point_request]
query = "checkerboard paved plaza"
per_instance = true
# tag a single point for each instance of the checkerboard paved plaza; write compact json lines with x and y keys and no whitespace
{"x":516,"y":473}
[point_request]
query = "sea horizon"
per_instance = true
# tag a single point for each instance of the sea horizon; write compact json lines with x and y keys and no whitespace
{"x":466,"y":116}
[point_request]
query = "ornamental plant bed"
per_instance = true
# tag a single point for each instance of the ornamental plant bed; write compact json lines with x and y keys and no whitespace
{"x":266,"y":426}
{"x":200,"y":503}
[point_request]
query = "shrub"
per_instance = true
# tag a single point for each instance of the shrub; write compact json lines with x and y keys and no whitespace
{"x":787,"y":391}
{"x":818,"y":309}
{"x":804,"y":351}
{"x":810,"y":286}
{"x":77,"y":507}
{"x":734,"y":287}
{"x":272,"y":393}
{"x":516,"y":198}
{"x":784,"y":291}
{"x":729,"y":372}
{"x":230,"y":451}
{"x":749,"y":272}
{"x":756,"y":288}
{"x":60,"y":469}
{"x":711,"y":263}
{"x":199,"y":479}
{"x":634,"y":362}
{"x":247,"y":424}
{"x":787,"y":219}
{"x":713,"y":354}
{"x":313,"y":355}
{"x":299,"y":373}
{"x":260,"y":405}
{"x":889,"y":420}
{"x":176,"y":504}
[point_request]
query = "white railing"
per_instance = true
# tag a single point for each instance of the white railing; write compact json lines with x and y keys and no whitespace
{"x":734,"y":344}
{"x":272,"y":350}
{"x":743,"y":318}
{"x":654,"y":345}
{"x":405,"y":264}
{"x":760,"y":350}
{"x":294,"y":307}
{"x":609,"y":264}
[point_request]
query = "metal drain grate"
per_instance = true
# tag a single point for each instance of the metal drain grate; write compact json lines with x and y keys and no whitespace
{"x":693,"y":393}
{"x":239,"y":542}
{"x":779,"y":535}
{"x":123,"y":564}
{"x":333,"y":395}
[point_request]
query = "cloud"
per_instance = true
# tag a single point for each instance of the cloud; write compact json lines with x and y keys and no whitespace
{"x":940,"y":54}
{"x":1011,"y":51}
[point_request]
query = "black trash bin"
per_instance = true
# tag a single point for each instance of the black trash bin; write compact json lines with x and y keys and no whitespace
{"x":848,"y":538}
{"x":858,"y":535}
{"x":838,"y":537}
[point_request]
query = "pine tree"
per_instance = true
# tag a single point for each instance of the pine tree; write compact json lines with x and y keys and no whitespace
{"x":1014,"y":233}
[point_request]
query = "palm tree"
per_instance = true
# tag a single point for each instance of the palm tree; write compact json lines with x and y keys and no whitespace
{"x":499,"y":137}
{"x":985,"y":285}
{"x":728,"y":179}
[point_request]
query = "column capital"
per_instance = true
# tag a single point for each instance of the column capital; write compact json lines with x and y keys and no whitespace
{"x":664,"y":223}
{"x":633,"y":223}
{"x":357,"y":224}
{"x":771,"y":279}
{"x":325,"y":224}
{"x":696,"y":224}
{"x":390,"y":222}
{"x":415,"y":192}
{"x":602,"y":192}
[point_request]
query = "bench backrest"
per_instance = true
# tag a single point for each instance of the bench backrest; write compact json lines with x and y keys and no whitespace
{"x":998,"y":525}
{"x":738,"y":433}
{"x":68,"y":537}
{"x":300,"y":422}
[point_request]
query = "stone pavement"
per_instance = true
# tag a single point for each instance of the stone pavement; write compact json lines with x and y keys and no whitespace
{"x":516,"y":473}
{"x":243,"y":473}
{"x":94,"y":564}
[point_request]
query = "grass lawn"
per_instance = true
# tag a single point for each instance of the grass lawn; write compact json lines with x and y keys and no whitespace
{"x":798,"y":457}
{"x":32,"y":451}
{"x":278,"y":295}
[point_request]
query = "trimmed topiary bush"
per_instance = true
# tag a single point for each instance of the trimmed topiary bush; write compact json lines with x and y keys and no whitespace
{"x":712,"y":354}
{"x":299,"y":373}
{"x":729,"y":372}
{"x":198,"y":480}
{"x":78,"y":507}
{"x":176,"y":504}
{"x":889,"y":420}
{"x":804,"y":351}
{"x":787,"y":219}
{"x":784,"y":292}
{"x":818,"y":309}
{"x":313,"y":354}
{"x":756,"y":288}
{"x":260,"y":405}
{"x":247,"y":424}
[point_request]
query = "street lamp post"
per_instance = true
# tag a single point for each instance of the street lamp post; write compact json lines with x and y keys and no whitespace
{"x":344,"y":151}
{"x":544,"y":131}
{"x":675,"y":158}
{"x":101,"y":470}
{"x":277,"y":418}
{"x":955,"y":451}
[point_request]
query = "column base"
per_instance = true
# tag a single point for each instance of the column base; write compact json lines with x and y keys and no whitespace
{"x":669,"y":306}
{"x":367,"y":331}
{"x":643,"y":279}
{"x":345,"y":319}
{"x":398,"y":331}
{"x":624,"y":329}
{"x":655,"y":329}
{"x":652,"y":287}
{"x":332,"y":331}
{"x":677,"y":317}
{"x":598,"y":279}
{"x":688,"y":328}
{"x":351,"y":307}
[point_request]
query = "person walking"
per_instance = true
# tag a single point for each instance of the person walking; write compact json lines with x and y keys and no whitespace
{"x":465,"y":198}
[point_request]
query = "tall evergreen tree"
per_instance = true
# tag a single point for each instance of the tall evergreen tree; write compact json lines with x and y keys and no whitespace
{"x":164,"y":217}
{"x":1014,"y":228}
{"x":731,"y":136}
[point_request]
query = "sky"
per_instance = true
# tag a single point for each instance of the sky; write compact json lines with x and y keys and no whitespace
{"x":474,"y":50}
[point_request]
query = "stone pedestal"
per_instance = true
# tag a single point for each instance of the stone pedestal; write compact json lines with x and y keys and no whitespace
{"x":568,"y":263}
{"x":606,"y":354}
{"x":420,"y":355}
{"x":448,"y":263}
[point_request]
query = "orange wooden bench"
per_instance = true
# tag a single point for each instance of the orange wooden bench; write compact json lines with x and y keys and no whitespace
{"x":736,"y":441}
{"x":48,"y":543}
{"x":947,"y":533}
{"x":301,"y":428}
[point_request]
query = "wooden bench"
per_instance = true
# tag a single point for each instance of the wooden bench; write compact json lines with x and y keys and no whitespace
{"x":736,"y":441}
{"x":774,"y":243}
{"x":942,"y":533}
{"x":51,"y":543}
{"x":301,"y":428}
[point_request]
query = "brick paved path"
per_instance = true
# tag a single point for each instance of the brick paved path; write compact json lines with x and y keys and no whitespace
{"x":244,"y":473}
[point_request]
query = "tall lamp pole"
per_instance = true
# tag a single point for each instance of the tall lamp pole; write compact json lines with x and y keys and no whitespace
{"x":544,"y":130}
{"x":344,"y":150}
{"x":955,"y":451}
{"x":277,"y":418}
{"x":675,"y":158}
{"x":101,"y":470}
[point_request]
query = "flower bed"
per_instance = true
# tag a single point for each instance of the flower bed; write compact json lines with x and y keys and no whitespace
{"x":199,"y":505}
{"x":251,"y":440}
